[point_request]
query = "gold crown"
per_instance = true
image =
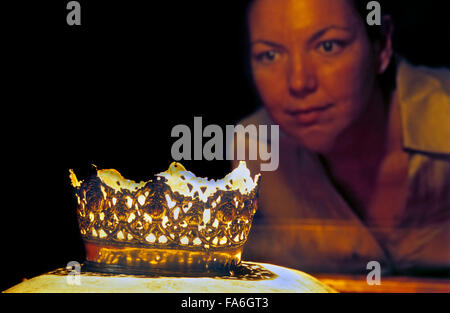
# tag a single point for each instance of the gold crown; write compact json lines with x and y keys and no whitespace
{"x":175,"y":223}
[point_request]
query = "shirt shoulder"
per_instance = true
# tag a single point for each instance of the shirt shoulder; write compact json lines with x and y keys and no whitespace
{"x":424,"y":96}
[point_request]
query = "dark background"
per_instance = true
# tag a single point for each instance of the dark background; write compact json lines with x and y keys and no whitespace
{"x":109,"y":92}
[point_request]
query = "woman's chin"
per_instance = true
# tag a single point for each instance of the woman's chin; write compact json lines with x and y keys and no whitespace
{"x":320,"y":143}
{"x":319,"y":138}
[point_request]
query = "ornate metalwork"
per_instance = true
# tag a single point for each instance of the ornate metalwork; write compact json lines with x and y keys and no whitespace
{"x":156,"y":228}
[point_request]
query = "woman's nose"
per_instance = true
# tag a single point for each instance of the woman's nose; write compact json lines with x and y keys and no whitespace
{"x":301,"y":78}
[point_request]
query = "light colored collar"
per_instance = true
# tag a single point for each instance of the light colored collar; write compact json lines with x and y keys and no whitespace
{"x":424,"y":96}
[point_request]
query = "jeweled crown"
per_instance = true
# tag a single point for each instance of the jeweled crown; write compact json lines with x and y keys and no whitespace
{"x":173,"y":223}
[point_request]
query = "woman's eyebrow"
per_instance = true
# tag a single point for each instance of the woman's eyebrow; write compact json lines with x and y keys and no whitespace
{"x":266,"y":42}
{"x":314,"y":37}
{"x":323,"y":31}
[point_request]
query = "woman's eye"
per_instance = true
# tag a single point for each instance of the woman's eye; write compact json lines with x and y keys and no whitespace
{"x":267,"y":56}
{"x":330,"y":47}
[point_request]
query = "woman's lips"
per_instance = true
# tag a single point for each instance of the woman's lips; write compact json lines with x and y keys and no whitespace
{"x":308,"y":116}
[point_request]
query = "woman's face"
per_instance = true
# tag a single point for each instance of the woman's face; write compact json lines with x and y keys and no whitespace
{"x":313,"y":66}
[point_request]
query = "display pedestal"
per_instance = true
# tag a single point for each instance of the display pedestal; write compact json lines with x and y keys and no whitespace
{"x":251,"y":278}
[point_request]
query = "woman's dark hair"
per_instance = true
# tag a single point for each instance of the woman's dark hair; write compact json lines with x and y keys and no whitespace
{"x":373,"y":31}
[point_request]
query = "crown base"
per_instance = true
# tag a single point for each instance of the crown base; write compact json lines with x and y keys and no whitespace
{"x":151,"y":261}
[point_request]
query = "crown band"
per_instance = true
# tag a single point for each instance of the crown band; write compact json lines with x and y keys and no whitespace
{"x":129,"y":260}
